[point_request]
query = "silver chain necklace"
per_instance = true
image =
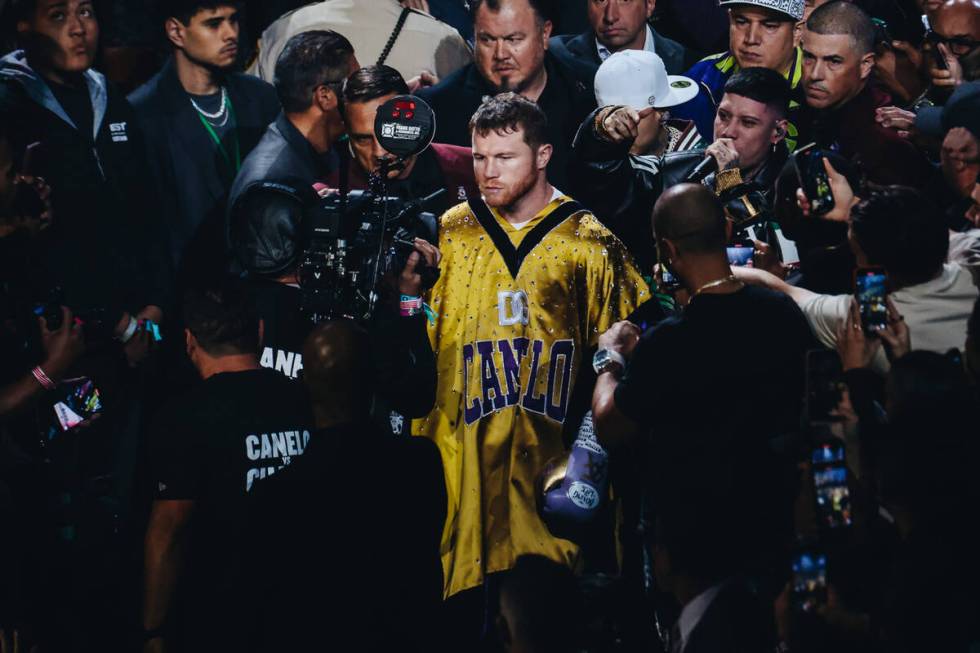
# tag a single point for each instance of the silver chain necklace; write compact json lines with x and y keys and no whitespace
{"x":218,"y":115}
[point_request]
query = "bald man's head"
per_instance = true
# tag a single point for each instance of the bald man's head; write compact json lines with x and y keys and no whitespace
{"x":336,"y":364}
{"x":959,"y":21}
{"x":691,"y":217}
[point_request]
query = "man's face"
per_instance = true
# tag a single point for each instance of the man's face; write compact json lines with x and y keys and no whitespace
{"x":620,"y":23}
{"x":210,"y":38}
{"x":753,"y":127}
{"x":958,"y":24}
{"x":64,"y":33}
{"x":761,"y":38}
{"x":366,"y":149}
{"x":506,"y":167}
{"x":833,"y":69}
{"x":510,"y":45}
{"x":960,"y":157}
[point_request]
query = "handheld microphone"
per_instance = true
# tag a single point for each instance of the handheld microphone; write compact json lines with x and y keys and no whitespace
{"x":703,"y":169}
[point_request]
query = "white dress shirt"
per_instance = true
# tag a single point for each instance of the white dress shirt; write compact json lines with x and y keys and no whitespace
{"x":605,"y":53}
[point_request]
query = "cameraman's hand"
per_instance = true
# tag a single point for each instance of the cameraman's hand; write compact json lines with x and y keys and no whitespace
{"x":856,"y":349}
{"x":410,"y":280}
{"x":62,"y":346}
{"x":895,"y":335}
{"x":424,"y":79}
{"x":724,"y":152}
{"x":844,"y":197}
{"x":621,"y":125}
{"x":621,"y":337}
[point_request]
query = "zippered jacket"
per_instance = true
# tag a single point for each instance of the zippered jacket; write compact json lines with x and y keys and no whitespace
{"x":106,"y":248}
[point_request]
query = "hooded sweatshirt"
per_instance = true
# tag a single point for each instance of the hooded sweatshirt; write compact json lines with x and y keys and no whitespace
{"x":104,"y":249}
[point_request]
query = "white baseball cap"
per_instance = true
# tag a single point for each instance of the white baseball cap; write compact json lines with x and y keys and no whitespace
{"x":638,"y":79}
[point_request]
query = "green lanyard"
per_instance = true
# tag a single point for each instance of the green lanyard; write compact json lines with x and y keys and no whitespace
{"x":234,"y":138}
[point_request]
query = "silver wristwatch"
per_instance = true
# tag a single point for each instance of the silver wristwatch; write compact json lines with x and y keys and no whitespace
{"x":605,"y":359}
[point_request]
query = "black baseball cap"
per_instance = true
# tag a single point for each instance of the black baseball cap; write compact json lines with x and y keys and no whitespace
{"x":961,"y":110}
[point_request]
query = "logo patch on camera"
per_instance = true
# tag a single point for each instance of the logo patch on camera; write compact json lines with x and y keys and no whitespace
{"x":117,"y":130}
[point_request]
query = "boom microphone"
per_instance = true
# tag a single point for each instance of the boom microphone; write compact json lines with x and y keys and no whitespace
{"x":703,"y":169}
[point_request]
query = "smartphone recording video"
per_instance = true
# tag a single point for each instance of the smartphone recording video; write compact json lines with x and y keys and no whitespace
{"x":813,"y":179}
{"x":809,"y":580}
{"x":871,"y":289}
{"x":829,"y":464}
{"x":740,"y":254}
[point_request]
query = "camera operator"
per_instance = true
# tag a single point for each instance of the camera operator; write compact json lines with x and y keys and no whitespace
{"x":439,"y":166}
{"x":270,"y":244}
{"x":296,"y":149}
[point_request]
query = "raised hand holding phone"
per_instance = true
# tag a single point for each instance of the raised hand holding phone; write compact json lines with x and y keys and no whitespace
{"x":840,"y":190}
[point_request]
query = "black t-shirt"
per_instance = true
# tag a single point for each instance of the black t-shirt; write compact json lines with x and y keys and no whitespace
{"x":212,"y":447}
{"x":358,"y":520}
{"x":284,"y":325}
{"x":730,"y":364}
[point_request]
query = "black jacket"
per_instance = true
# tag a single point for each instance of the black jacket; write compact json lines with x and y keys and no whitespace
{"x":618,"y":187}
{"x":565,"y":100}
{"x":104,"y":248}
{"x":622,"y":189}
{"x":286,"y":159}
{"x":581,"y":56}
{"x":193,"y":189}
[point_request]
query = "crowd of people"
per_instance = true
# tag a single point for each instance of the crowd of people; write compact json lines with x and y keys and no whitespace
{"x":678,"y":348}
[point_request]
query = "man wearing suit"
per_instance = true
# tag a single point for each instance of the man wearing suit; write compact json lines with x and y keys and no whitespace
{"x":200,"y":120}
{"x":616,"y":26}
{"x":512,"y":55}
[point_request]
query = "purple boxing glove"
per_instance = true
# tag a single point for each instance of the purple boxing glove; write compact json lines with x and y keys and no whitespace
{"x":568,"y":508}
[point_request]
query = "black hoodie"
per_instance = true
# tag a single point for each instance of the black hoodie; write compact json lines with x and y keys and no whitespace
{"x":105,"y":247}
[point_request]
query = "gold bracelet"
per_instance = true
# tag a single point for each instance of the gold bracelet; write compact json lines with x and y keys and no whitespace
{"x":727,"y":179}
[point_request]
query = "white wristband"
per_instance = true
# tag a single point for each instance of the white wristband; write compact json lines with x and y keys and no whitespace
{"x":130,"y":330}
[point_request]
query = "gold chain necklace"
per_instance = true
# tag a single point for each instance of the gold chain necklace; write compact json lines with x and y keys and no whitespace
{"x":714,"y":284}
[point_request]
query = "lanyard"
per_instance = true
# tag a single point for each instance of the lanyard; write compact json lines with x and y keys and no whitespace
{"x":234,"y":138}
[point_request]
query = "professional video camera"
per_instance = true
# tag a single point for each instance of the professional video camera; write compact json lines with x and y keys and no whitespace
{"x":357,"y":237}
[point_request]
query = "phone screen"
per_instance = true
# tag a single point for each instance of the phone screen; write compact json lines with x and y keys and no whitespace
{"x":80,"y":402}
{"x":824,"y":385}
{"x":814,"y":181}
{"x":809,"y":580}
{"x":871,"y":288}
{"x":740,"y":256}
{"x":830,"y":484}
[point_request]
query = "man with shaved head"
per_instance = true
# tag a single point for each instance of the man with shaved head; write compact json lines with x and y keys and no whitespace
{"x":838,"y":58}
{"x":360,"y":514}
{"x":680,"y":376}
{"x":956,"y":30}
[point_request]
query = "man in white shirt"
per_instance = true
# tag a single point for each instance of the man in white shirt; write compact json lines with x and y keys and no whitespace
{"x":903,"y":232}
